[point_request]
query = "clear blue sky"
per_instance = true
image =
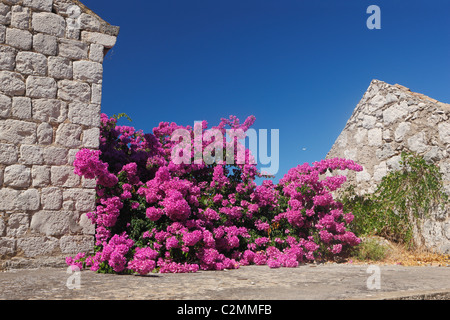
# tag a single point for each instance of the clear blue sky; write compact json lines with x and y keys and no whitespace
{"x":298,"y":66}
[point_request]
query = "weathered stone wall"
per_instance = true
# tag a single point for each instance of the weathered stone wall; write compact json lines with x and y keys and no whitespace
{"x":390,"y":119}
{"x":51,"y":55}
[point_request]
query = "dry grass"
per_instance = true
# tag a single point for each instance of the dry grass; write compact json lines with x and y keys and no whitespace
{"x":397,"y":254}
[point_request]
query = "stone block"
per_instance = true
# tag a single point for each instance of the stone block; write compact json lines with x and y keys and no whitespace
{"x":20,"y":17}
{"x":41,"y":87}
{"x":74,"y":91}
{"x":40,"y":176}
{"x":48,"y":23}
{"x":99,"y":38}
{"x":8,"y":153}
{"x":17,"y":175}
{"x":84,"y":199}
{"x":7,"y":58}
{"x":37,"y":246}
{"x":28,"y":200}
{"x":51,"y":198}
{"x":12,"y":83}
{"x":45,"y":44}
{"x":21,"y":107}
{"x":45,"y":133}
{"x":418,"y":143}
{"x":395,"y":112}
{"x":444,"y":132}
{"x":54,"y":223}
{"x":5,"y":14}
{"x":88,"y":71}
{"x":89,"y":23}
{"x":91,"y":138}
{"x":31,"y":63}
{"x":31,"y":154}
{"x":76,"y":244}
{"x":16,"y":131}
{"x":69,"y":135}
{"x":55,"y":156}
{"x":73,"y":49}
{"x":5,"y":106}
{"x":8,"y":198}
{"x":18,"y":224}
{"x":49,"y":110}
{"x":60,"y":68}
{"x":374,"y":137}
{"x":7,"y":246}
{"x":96,"y":52}
{"x":2,"y":34}
{"x":40,"y":5}
{"x":96,"y":93}
{"x":63,"y":176}
{"x":85,"y":114}
{"x":18,"y":38}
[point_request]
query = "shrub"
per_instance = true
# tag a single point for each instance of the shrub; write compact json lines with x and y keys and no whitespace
{"x":154,"y":215}
{"x":402,"y":197}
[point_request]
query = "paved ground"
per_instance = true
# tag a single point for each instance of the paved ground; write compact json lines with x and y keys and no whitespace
{"x":312,"y":282}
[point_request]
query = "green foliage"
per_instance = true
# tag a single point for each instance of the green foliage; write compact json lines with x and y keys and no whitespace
{"x":370,"y":249}
{"x":402,"y":197}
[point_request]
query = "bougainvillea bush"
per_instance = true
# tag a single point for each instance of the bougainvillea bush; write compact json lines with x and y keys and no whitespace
{"x":154,"y":215}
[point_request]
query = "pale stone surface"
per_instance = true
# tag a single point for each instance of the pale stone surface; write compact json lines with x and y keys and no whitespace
{"x":49,"y":110}
{"x":375,"y":137}
{"x":41,"y":5}
{"x":51,"y":198}
{"x":444,"y":132}
{"x":395,"y":112}
{"x":91,"y":138}
{"x":28,"y":200}
{"x":17,"y":176}
{"x":45,"y":44}
{"x":87,"y":71}
{"x":73,"y":49}
{"x":55,"y":156}
{"x":21,"y":107}
{"x":85,"y":114}
{"x":37,"y":246}
{"x":8,"y":198}
{"x":8,"y":153}
{"x":7,"y":58}
{"x":68,"y":135}
{"x":417,"y":143}
{"x":7,"y":246}
{"x":76,"y":244}
{"x":5,"y":14}
{"x":96,"y":93}
{"x":31,"y":63}
{"x":12,"y":83}
{"x":41,"y":87}
{"x":31,"y":154}
{"x":16,"y":131}
{"x":53,"y":223}
{"x":99,"y":38}
{"x":48,"y":23}
{"x":40,"y":176}
{"x":60,"y":68}
{"x":74,"y":91}
{"x":96,"y":52}
{"x":18,"y":38}
{"x":89,"y":23}
{"x":45,"y":133}
{"x":5,"y":106}
{"x":63,"y":176}
{"x":84,"y":199}
{"x":18,"y":224}
{"x":20,"y":17}
{"x":401,"y":130}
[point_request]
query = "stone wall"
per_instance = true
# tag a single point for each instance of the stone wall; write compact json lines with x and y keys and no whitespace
{"x":51,"y":55}
{"x":390,"y":119}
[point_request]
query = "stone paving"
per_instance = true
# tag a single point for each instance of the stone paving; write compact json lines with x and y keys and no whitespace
{"x":311,"y":282}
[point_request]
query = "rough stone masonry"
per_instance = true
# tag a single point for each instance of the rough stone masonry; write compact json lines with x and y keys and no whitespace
{"x":390,"y":119}
{"x":51,"y":55}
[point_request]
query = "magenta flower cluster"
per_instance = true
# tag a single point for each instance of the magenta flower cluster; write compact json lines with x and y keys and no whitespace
{"x":153,"y":215}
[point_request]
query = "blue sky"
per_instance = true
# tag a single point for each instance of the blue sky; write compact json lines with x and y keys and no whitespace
{"x":298,"y":66}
